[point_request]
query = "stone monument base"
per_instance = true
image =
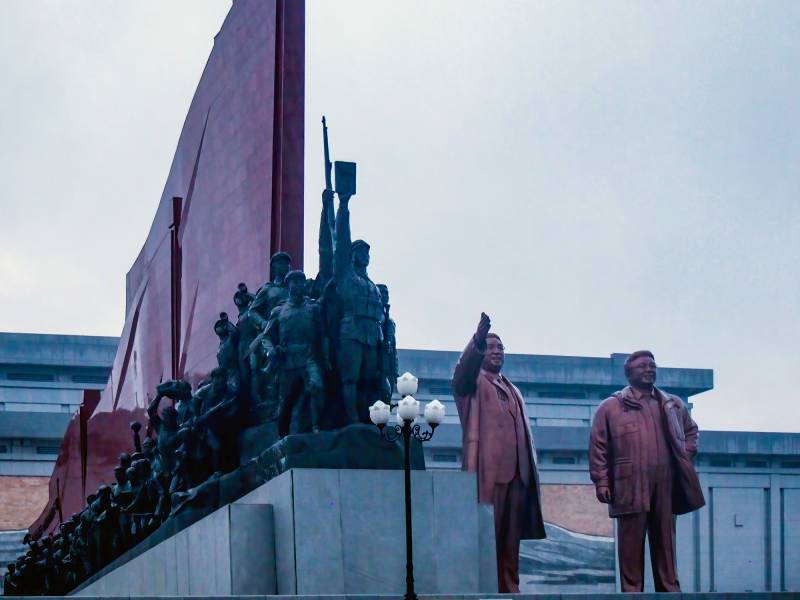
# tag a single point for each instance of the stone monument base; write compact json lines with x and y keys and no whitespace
{"x":322,"y":531}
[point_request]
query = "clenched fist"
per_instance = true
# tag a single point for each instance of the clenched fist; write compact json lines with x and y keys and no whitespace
{"x":603,"y":494}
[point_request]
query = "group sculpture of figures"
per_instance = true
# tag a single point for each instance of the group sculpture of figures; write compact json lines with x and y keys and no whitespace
{"x":303,"y":355}
{"x":115,"y":519}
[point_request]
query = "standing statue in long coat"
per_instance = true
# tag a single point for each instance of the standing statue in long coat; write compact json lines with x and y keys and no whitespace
{"x":641,"y":449}
{"x":497,"y":444}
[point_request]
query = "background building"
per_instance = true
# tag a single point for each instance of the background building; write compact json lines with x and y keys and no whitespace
{"x":746,"y":538}
{"x":42,"y":381}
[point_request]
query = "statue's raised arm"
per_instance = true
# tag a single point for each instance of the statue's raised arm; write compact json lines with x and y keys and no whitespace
{"x":343,"y":257}
{"x":326,"y":224}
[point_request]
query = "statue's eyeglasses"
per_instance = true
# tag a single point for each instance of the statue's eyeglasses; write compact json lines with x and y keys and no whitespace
{"x":650,"y":365}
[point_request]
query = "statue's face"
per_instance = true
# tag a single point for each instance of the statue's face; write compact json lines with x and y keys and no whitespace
{"x":495,"y":355}
{"x":297,"y":287}
{"x":642,"y":372}
{"x":125,"y":460}
{"x":280,"y":267}
{"x":361,"y":256}
{"x":241,"y":300}
{"x":119,"y":475}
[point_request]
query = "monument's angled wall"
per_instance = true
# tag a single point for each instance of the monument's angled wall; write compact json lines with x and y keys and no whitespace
{"x":238,"y":170}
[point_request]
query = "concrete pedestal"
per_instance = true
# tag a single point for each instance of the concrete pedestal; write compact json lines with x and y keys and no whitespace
{"x":324,"y":531}
{"x":229,"y":552}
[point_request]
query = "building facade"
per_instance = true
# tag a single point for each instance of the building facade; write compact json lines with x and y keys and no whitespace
{"x":746,"y":538}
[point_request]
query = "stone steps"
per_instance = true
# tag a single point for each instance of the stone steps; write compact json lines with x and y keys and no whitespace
{"x":646,"y":596}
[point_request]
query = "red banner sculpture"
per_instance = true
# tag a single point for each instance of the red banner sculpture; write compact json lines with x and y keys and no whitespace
{"x":234,"y":195}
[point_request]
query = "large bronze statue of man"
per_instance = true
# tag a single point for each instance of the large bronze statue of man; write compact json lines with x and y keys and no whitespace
{"x":642,"y":444}
{"x":358,"y":355}
{"x":498,"y":445}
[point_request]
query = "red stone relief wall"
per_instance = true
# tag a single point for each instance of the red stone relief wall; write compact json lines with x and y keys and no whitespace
{"x":238,"y":169}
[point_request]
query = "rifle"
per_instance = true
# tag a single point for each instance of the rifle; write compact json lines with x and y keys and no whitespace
{"x":328,"y":183}
{"x":328,"y":164}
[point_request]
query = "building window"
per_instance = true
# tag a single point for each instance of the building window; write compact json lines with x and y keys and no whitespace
{"x":756,"y":464}
{"x":31,"y":377}
{"x":96,"y":379}
{"x":46,"y":449}
{"x":451,"y":458}
{"x":442,"y":389}
{"x":720,"y":462}
{"x":563,"y":395}
{"x":564,"y":460}
{"x":3,"y":449}
{"x":790,"y":464}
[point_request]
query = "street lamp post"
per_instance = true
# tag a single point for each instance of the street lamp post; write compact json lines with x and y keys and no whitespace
{"x":407,"y":413}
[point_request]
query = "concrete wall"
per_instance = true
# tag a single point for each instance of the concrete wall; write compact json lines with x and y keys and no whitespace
{"x":326,"y":531}
{"x":343,"y":532}
{"x":746,"y":538}
{"x":229,"y":552}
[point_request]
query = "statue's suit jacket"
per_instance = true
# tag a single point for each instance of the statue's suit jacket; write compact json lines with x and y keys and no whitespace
{"x":617,"y":453}
{"x":486,"y":426}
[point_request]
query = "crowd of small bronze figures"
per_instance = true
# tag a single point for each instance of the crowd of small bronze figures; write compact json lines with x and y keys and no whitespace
{"x":304,"y":355}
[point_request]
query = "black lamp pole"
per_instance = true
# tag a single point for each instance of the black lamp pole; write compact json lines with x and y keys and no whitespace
{"x":407,"y":430}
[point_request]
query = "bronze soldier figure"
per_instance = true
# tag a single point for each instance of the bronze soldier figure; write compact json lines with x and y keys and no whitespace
{"x":248,"y":326}
{"x":294,"y":337}
{"x":358,"y":355}
{"x":218,"y":418}
{"x":390,"y":369}
{"x":271,"y":294}
{"x":227,"y":353}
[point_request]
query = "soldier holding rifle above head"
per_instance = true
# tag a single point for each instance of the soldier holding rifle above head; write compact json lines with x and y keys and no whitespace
{"x":361,"y":317}
{"x":641,"y":449}
{"x":498,"y":445}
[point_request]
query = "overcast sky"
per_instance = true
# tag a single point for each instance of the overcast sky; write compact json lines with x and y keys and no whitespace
{"x":598,"y":177}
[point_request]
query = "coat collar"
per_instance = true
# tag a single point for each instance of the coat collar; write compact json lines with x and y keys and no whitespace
{"x":500,"y":381}
{"x":629,"y":399}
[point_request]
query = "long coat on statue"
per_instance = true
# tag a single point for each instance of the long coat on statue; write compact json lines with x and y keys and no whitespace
{"x":485,"y":434}
{"x":617,"y":453}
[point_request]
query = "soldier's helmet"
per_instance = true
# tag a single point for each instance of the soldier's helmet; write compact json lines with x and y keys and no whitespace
{"x":296,"y":274}
{"x":276,"y":257}
{"x":242,"y":297}
{"x":280,"y":255}
{"x":223,"y":323}
{"x":359,"y":244}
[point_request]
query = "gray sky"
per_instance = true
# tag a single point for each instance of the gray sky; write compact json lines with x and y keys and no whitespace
{"x":599,"y":177}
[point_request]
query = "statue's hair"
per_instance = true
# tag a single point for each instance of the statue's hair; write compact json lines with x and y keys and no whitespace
{"x":634,"y":356}
{"x":491,"y":334}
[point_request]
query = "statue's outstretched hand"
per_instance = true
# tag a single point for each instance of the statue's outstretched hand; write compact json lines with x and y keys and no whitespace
{"x":483,"y":329}
{"x":327,"y":196}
